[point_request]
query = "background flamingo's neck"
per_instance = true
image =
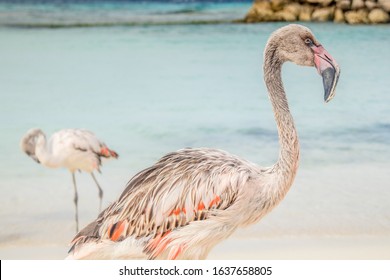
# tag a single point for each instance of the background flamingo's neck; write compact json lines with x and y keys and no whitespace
{"x":45,"y":157}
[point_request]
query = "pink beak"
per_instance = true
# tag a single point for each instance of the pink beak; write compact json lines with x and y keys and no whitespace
{"x":328,"y":68}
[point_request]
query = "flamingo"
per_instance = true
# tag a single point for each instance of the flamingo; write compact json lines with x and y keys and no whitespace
{"x":74,"y":149}
{"x":191,"y":199}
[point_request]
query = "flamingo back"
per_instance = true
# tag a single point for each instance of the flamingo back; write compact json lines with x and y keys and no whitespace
{"x":168,"y":205}
{"x":79,"y":149}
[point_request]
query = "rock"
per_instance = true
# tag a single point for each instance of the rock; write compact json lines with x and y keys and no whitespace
{"x":260,"y":11}
{"x":323,"y":14}
{"x":250,"y":15}
{"x":284,"y":15}
{"x":326,"y":3}
{"x":357,"y":4}
{"x":350,"y":11}
{"x":338,"y":16}
{"x":371,"y":4}
{"x":293,"y":8}
{"x":355,"y":17}
{"x":385,"y":5}
{"x":378,"y":16}
{"x":323,"y":3}
{"x":278,"y":5}
{"x":343,"y":4}
{"x":250,"y":18}
{"x":305,"y":13}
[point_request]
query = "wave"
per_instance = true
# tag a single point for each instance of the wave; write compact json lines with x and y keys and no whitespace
{"x":185,"y":9}
{"x":181,"y":11}
{"x":54,"y":25}
{"x":378,"y":133}
{"x":114,"y":13}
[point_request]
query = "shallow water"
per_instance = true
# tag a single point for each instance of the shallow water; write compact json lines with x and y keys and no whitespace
{"x":76,"y":13}
{"x":150,"y":89}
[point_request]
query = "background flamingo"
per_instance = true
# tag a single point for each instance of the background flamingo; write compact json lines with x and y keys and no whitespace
{"x":192,"y":199}
{"x":74,"y":149}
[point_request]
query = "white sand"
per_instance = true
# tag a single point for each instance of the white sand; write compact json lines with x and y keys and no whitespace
{"x":299,"y":248}
{"x":326,"y":217}
{"x":306,"y":248}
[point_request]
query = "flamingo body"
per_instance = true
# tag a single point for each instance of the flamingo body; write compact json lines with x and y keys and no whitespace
{"x":73,"y":149}
{"x":164,"y":211}
{"x":190,"y":200}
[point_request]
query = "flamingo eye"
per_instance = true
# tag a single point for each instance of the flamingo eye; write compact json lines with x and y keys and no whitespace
{"x":308,"y":41}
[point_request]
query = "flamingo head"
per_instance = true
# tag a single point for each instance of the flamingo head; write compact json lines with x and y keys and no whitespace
{"x":296,"y":43}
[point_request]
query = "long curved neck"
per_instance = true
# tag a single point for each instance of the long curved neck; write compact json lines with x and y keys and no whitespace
{"x":287,"y":164}
{"x":45,"y":156}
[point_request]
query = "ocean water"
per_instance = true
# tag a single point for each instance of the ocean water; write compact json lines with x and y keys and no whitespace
{"x":153,"y":77}
{"x":81,"y":13}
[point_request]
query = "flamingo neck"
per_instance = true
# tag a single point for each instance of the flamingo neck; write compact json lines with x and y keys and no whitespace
{"x":287,"y":164}
{"x":44,"y":154}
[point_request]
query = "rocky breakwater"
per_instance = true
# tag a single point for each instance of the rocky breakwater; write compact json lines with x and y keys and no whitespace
{"x":349,"y":11}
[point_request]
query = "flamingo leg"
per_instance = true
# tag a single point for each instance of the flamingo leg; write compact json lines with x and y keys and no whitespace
{"x":75,"y":200}
{"x":100,"y":192}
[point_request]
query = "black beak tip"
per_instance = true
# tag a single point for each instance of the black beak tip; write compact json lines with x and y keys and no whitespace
{"x":328,"y":78}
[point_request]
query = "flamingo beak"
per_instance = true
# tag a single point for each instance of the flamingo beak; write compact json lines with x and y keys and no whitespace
{"x":328,"y":68}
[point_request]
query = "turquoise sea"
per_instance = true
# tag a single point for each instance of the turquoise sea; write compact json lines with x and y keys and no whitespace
{"x":151,"y":77}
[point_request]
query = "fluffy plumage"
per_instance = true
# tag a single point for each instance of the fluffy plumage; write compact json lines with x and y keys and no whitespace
{"x":190,"y":200}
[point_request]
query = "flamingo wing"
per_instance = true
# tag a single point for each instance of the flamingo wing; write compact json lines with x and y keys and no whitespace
{"x":183,"y":187}
{"x":77,"y":139}
{"x":78,"y":144}
{"x":87,"y":141}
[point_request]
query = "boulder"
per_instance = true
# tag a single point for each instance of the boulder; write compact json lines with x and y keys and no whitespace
{"x":278,"y":5}
{"x":343,"y":4}
{"x":338,"y":16}
{"x":293,"y":8}
{"x":356,"y":17}
{"x":323,"y":3}
{"x":357,"y":4}
{"x":378,"y":16}
{"x":385,"y":5}
{"x":305,"y":13}
{"x":260,"y":11}
{"x":323,"y":14}
{"x":284,"y":15}
{"x":371,"y":4}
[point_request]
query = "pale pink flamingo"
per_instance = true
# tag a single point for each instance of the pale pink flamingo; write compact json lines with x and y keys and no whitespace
{"x":190,"y":200}
{"x":74,"y":149}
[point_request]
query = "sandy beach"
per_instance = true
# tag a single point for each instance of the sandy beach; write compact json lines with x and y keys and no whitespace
{"x":289,"y":248}
{"x":355,"y":227}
